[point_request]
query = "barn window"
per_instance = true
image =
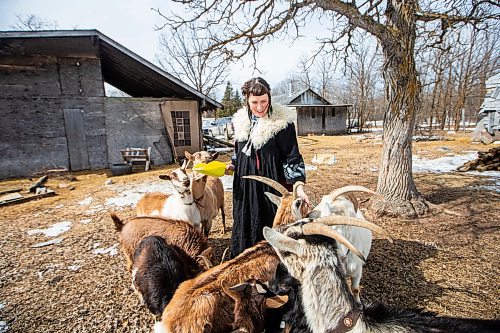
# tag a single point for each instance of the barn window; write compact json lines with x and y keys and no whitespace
{"x":333,"y":112}
{"x":182,"y":128}
{"x":313,"y":113}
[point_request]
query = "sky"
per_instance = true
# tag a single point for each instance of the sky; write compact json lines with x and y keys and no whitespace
{"x":131,"y":24}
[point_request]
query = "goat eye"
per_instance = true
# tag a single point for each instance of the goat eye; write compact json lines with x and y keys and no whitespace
{"x":298,"y":203}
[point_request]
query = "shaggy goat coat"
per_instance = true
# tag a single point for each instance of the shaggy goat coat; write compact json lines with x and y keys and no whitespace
{"x":265,"y":147}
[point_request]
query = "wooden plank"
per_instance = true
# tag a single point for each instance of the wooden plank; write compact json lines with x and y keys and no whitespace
{"x":11,"y":190}
{"x":30,"y":198}
{"x":77,"y":143}
{"x":10,"y":196}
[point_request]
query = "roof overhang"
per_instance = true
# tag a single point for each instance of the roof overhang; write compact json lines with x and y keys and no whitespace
{"x":121,"y":67}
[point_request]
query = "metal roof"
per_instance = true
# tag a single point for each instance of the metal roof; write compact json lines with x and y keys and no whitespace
{"x":121,"y":67}
{"x":292,"y":99}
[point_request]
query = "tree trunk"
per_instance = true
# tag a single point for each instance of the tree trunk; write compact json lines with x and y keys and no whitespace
{"x":395,"y":180}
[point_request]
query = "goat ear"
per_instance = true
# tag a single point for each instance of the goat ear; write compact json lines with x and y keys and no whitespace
{"x":276,"y":302}
{"x":164,"y":177}
{"x":274,"y":198}
{"x":239,"y":287}
{"x":214,"y":156}
{"x":282,"y":242}
{"x":188,"y":155}
{"x":229,"y":291}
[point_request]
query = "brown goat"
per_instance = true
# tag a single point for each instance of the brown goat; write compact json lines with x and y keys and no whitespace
{"x":175,"y":232}
{"x":201,"y":305}
{"x":290,"y":207}
{"x":251,"y":299}
{"x":208,"y":192}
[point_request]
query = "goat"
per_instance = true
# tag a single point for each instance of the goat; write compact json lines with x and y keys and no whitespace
{"x":208,"y":192}
{"x":340,"y":202}
{"x":313,"y":260}
{"x":290,"y":207}
{"x":175,"y":232}
{"x":201,"y":305}
{"x":179,"y":205}
{"x":292,"y":314}
{"x":157,"y":271}
{"x":251,"y":300}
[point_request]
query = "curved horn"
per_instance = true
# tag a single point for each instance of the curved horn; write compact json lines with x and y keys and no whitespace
{"x":295,"y":188}
{"x":315,"y":228}
{"x":205,"y":260}
{"x":282,"y":242}
{"x":274,"y":184}
{"x":345,"y":220}
{"x":351,"y":188}
{"x":224,"y":254}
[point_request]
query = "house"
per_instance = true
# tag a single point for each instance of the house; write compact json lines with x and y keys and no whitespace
{"x":315,"y":115}
{"x":55,"y":113}
{"x":490,"y":109}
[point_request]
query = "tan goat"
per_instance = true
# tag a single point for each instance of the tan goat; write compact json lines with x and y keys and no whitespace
{"x":179,"y":205}
{"x":208,"y":192}
{"x":175,"y":232}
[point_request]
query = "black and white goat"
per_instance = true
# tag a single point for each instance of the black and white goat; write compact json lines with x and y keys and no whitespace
{"x":157,"y":271}
{"x":310,"y":255}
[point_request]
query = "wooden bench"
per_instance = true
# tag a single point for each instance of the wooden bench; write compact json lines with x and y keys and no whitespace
{"x":137,"y":156}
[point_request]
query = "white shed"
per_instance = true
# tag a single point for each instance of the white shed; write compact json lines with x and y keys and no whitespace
{"x":490,"y":109}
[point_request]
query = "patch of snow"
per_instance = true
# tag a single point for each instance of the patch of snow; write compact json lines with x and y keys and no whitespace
{"x":59,"y":206}
{"x":112,"y":250}
{"x":74,"y":267}
{"x":227,"y":182}
{"x":311,"y":167}
{"x":85,"y":221}
{"x":2,"y":305}
{"x":86,"y":201}
{"x":54,"y":230}
{"x":130,"y":194}
{"x":442,"y":164}
{"x":3,"y":326}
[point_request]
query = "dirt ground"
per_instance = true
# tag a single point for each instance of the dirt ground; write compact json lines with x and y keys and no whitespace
{"x":440,"y":262}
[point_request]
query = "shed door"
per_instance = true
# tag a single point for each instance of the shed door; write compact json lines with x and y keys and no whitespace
{"x":75,"y":135}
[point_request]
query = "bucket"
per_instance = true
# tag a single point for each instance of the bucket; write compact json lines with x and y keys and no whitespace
{"x":120,"y":169}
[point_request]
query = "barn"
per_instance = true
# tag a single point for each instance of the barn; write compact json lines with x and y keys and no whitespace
{"x":315,"y":115}
{"x":490,"y":109}
{"x":55,"y":112}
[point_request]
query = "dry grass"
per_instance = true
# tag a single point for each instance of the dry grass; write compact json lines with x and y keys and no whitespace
{"x":440,"y":262}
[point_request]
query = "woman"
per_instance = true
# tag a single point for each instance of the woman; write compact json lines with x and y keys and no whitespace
{"x":265,"y":145}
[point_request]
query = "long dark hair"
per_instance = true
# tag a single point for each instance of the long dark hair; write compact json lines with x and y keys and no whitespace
{"x":256,"y":86}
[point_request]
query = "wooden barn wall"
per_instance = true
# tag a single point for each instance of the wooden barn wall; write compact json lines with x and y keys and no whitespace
{"x":34,"y":91}
{"x":310,"y":120}
{"x":136,"y":123}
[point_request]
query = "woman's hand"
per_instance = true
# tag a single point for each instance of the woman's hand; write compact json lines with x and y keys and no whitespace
{"x":229,"y":169}
{"x":301,"y":194}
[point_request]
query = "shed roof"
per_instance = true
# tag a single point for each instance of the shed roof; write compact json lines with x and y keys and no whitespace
{"x":296,"y":100}
{"x":121,"y":67}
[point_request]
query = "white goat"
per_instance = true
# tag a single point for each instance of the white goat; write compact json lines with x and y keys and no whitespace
{"x":341,"y":202}
{"x":208,"y":192}
{"x":179,"y":205}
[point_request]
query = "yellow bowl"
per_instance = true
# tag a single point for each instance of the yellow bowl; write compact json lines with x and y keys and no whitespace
{"x":214,"y":168}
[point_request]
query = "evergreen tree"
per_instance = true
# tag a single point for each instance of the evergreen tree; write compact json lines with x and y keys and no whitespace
{"x":237,"y":102}
{"x":227,"y":101}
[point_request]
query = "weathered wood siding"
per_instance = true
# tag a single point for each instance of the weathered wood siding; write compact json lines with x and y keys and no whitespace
{"x":321,"y":120}
{"x":136,"y":123}
{"x":34,"y":91}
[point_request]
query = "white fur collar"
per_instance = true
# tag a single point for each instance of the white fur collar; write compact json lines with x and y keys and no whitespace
{"x":266,"y":127}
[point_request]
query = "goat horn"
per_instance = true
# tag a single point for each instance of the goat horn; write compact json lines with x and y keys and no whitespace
{"x":351,"y":188}
{"x":274,"y":184}
{"x":224,"y":254}
{"x":295,"y":188}
{"x":346,"y":220}
{"x":185,"y":163}
{"x":315,"y":228}
{"x":282,"y":242}
{"x":206,"y":261}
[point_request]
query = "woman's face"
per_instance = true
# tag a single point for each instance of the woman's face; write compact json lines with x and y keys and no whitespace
{"x":259,"y":105}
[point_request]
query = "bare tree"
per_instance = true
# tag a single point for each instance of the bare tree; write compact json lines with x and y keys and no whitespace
{"x":362,"y":68}
{"x":33,"y":23}
{"x":184,"y":54}
{"x":240,"y":26}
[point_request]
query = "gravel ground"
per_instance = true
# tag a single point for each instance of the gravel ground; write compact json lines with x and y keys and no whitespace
{"x":439,"y":262}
